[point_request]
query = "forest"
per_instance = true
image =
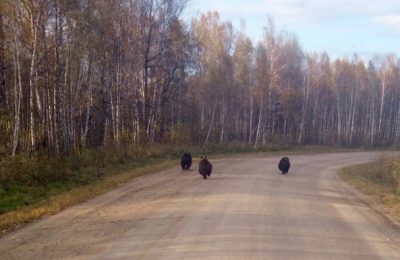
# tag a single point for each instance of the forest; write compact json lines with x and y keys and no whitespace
{"x":77,"y":74}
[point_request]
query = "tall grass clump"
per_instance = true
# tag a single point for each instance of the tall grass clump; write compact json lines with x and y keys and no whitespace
{"x":386,"y":169}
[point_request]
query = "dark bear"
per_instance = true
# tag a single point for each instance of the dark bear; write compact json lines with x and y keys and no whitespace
{"x":284,"y":165}
{"x":205,"y":167}
{"x":186,"y":161}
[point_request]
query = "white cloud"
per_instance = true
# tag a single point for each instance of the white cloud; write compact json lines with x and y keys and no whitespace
{"x":302,"y":11}
{"x":340,"y":26}
{"x":388,"y":20}
{"x":328,"y":10}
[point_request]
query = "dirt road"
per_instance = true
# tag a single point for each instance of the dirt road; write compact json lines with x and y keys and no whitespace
{"x":246,"y":210}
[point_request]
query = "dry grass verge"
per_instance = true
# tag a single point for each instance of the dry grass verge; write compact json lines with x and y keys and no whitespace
{"x":380,"y":180}
{"x":56,"y":203}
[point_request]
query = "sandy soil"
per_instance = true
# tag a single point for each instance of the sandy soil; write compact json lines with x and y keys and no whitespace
{"x":245,"y":210}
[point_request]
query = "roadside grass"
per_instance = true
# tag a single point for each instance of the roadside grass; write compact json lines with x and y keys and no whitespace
{"x":54,"y":201}
{"x":43,"y":185}
{"x":379,"y":179}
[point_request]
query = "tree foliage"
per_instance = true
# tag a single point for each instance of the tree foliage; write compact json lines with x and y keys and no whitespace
{"x":86,"y":73}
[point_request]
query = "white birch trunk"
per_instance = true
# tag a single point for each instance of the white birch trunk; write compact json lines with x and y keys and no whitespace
{"x":259,"y":122}
{"x":211,"y":125}
{"x":221,"y":138}
{"x":251,"y":118}
{"x":31,"y":82}
{"x":383,"y":89}
{"x":17,"y":97}
{"x":304,"y":110}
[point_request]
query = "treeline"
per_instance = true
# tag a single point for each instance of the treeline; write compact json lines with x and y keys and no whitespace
{"x":87,"y":73}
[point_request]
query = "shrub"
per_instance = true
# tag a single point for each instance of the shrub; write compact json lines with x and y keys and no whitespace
{"x":387,"y":169}
{"x":179,"y":134}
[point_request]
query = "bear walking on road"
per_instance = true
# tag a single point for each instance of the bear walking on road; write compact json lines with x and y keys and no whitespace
{"x":284,"y":165}
{"x":186,"y":161}
{"x":205,"y":167}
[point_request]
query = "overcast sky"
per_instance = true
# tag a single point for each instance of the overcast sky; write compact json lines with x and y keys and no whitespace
{"x":339,"y":27}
